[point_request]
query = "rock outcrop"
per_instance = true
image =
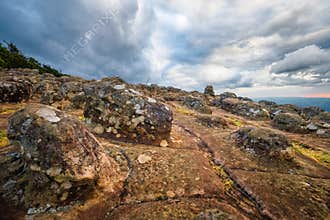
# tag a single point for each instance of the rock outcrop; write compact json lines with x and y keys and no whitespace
{"x":209,"y":90}
{"x":118,"y":112}
{"x":14,"y":89}
{"x":197,"y":104}
{"x":217,"y":101}
{"x":244,"y":108}
{"x":289,"y":122}
{"x":262,"y":141}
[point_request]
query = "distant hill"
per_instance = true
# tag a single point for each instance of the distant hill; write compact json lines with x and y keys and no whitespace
{"x":12,"y":57}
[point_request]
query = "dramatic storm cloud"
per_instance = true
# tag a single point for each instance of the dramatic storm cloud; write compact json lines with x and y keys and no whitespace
{"x":255,"y":48}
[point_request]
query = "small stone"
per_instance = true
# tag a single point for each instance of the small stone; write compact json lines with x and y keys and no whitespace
{"x":306,"y":184}
{"x":98,"y":129}
{"x":139,"y":111}
{"x":170,"y":194}
{"x":54,"y":171}
{"x":144,"y":158}
{"x":119,"y":87}
{"x":31,"y":211}
{"x":152,"y":100}
{"x":66,"y":185}
{"x":34,"y":167}
{"x":163,"y":143}
{"x":320,"y":132}
{"x":64,"y":196}
{"x":312,"y":127}
{"x":118,"y":136}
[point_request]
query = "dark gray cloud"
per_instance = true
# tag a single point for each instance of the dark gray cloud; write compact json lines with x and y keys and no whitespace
{"x":310,"y":58}
{"x":48,"y":29}
{"x":189,"y":44}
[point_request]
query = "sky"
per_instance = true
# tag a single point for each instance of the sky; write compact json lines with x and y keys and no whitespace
{"x":256,"y":48}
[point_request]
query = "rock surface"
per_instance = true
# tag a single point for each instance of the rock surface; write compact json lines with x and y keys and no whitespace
{"x":228,"y":165}
{"x":60,"y":160}
{"x":289,"y":122}
{"x":126,"y":114}
{"x":262,"y":141}
{"x":245,"y":108}
{"x":197,"y":104}
{"x":14,"y":89}
{"x":209,"y":90}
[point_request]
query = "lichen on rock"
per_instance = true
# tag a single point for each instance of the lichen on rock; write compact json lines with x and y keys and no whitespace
{"x":61,"y":161}
{"x":263,"y":142}
{"x":126,"y":114}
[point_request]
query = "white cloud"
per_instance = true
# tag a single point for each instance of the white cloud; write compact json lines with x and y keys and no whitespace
{"x":188,"y":44}
{"x":302,"y":60}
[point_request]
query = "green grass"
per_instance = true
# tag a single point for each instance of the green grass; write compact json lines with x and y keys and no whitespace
{"x":185,"y":111}
{"x":315,"y":154}
{"x":236,"y":122}
{"x":228,"y":183}
{"x":3,"y":138}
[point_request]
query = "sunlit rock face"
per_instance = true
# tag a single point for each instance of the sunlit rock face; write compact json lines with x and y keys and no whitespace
{"x":59,"y":161}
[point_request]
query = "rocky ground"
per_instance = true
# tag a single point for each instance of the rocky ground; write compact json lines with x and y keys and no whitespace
{"x":77,"y":149}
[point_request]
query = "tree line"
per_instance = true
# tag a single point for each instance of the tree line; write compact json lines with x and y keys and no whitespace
{"x":12,"y":57}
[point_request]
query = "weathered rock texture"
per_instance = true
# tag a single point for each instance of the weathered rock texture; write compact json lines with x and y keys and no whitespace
{"x":289,"y":122}
{"x":219,"y":166}
{"x":209,"y":90}
{"x":245,"y":108}
{"x":123,"y":113}
{"x":60,"y":160}
{"x":262,"y":141}
{"x":14,"y":89}
{"x":197,"y":104}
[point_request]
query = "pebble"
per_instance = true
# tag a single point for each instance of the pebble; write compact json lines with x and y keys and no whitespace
{"x":163,"y":143}
{"x":144,"y":158}
{"x":152,"y":100}
{"x":54,"y":171}
{"x":312,"y":127}
{"x":98,"y":129}
{"x":170,"y":194}
{"x":119,"y":87}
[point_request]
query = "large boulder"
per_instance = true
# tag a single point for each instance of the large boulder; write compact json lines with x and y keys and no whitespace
{"x":197,"y":104}
{"x":248,"y":109}
{"x":310,"y":112}
{"x":262,"y":141}
{"x":118,"y":112}
{"x":323,"y":117}
{"x":268,"y":104}
{"x":218,"y":100}
{"x":289,"y":122}
{"x":321,"y":124}
{"x":286,"y":108}
{"x":14,"y":89}
{"x":209,"y":90}
{"x":71,"y":88}
{"x":60,"y":160}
